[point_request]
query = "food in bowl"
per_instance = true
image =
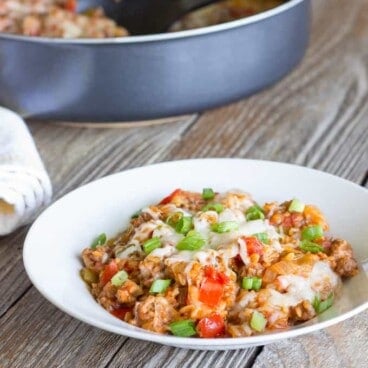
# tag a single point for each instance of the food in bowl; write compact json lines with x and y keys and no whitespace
{"x":218,"y":265}
{"x":223,"y":11}
{"x":56,"y":18}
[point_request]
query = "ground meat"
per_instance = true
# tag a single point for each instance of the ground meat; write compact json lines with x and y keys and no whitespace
{"x":107,"y":297}
{"x":293,"y":222}
{"x":270,"y":255}
{"x":142,"y":217}
{"x":253,"y":269}
{"x":55,"y":18}
{"x":188,"y":200}
{"x":95,"y":259}
{"x":341,"y":258}
{"x":123,"y":238}
{"x":128,"y":292}
{"x":303,"y":311}
{"x":154,"y":313}
{"x":151,"y":268}
{"x":176,"y":270}
{"x":241,"y":330}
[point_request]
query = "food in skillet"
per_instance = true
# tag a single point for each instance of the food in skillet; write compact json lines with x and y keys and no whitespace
{"x":223,"y":11}
{"x":58,"y":18}
{"x":55,"y":18}
{"x":218,"y":264}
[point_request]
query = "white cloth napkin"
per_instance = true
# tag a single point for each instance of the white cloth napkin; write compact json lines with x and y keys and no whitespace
{"x":24,"y":184}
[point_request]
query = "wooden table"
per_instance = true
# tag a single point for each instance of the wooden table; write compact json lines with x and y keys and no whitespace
{"x":317,"y":117}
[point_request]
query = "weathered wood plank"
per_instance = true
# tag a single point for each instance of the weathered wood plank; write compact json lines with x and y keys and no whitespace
{"x":40,"y":335}
{"x":78,"y":155}
{"x":135,"y":353}
{"x":340,"y":346}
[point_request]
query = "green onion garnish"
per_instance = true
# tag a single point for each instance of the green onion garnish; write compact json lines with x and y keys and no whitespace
{"x":263,"y":237}
{"x":151,"y":244}
{"x":218,"y":207}
{"x":173,"y":219}
{"x":312,"y":232}
{"x":258,"y":321}
{"x":193,"y":241}
{"x":251,"y":283}
{"x":136,"y":214}
{"x":257,"y":283}
{"x":308,"y":246}
{"x":254,"y":213}
{"x":225,"y":227}
{"x":100,"y":240}
{"x":320,"y":306}
{"x":247,"y":283}
{"x":208,"y":193}
{"x":184,"y":328}
{"x":184,"y":225}
{"x":119,"y":278}
{"x":159,"y":286}
{"x":296,"y":206}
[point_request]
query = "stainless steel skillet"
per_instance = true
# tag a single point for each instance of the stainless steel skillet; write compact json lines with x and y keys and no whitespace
{"x":153,"y":75}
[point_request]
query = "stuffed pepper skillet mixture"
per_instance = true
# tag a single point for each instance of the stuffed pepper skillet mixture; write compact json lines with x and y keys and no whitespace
{"x":218,"y":265}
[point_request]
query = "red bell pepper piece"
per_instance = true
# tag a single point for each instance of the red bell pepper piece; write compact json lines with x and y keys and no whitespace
{"x":108,"y":272}
{"x":212,"y":326}
{"x":212,"y":287}
{"x":253,"y":244}
{"x":121,"y":312}
{"x":71,"y":5}
{"x":170,"y":197}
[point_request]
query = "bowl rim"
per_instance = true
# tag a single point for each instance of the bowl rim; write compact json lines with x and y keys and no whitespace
{"x":203,"y":343}
{"x":159,"y":36}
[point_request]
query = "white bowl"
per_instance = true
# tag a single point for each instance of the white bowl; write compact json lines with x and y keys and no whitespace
{"x":54,"y":243}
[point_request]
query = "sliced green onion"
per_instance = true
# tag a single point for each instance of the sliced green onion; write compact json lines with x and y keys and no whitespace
{"x":251,"y":283}
{"x":136,"y":214}
{"x":218,"y":207}
{"x":296,"y":206}
{"x":193,"y":241}
{"x":312,"y":232}
{"x":257,"y":283}
{"x":100,"y":240}
{"x":263,"y":237}
{"x":320,"y":306}
{"x":184,"y":328}
{"x":159,"y":286}
{"x":174,"y":218}
{"x":119,"y":278}
{"x":247,"y":283}
{"x":308,"y":246}
{"x":254,"y":213}
{"x":151,"y":244}
{"x":225,"y":227}
{"x":184,"y":225}
{"x":258,"y":321}
{"x":208,"y":193}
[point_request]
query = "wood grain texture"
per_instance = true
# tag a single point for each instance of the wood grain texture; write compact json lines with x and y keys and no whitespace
{"x":317,"y":116}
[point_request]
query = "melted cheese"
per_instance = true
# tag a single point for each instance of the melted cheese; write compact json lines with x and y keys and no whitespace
{"x":181,"y":256}
{"x":300,"y":288}
{"x":322,"y":274}
{"x":143,"y":232}
{"x":167,"y":234}
{"x":231,"y":215}
{"x":246,"y":299}
{"x":163,"y":252}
